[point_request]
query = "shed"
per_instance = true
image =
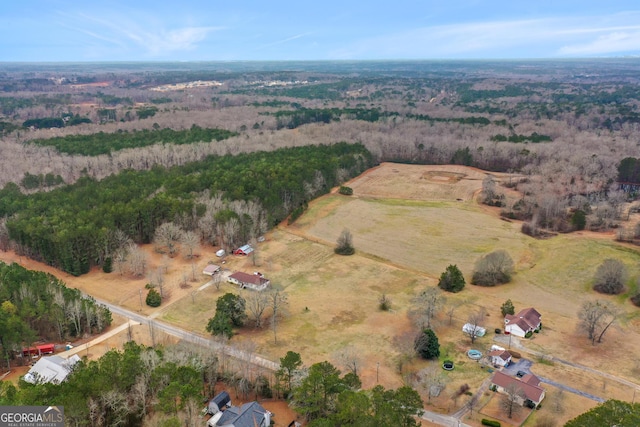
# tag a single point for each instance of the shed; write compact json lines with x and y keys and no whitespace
{"x":211,"y":269}
{"x":243,"y":250}
{"x":478,"y":331}
{"x":218,"y":403}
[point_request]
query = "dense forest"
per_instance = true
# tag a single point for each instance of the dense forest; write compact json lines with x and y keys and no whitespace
{"x":36,"y":306}
{"x":105,"y":143}
{"x":77,"y":226}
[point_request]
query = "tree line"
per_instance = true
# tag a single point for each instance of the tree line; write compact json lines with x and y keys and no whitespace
{"x":105,"y":143}
{"x":35,"y":305}
{"x":74,"y":227}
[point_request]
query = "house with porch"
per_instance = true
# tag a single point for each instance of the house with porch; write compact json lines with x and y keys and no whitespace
{"x":255,"y":281}
{"x":523,"y":322}
{"x":529,"y":392}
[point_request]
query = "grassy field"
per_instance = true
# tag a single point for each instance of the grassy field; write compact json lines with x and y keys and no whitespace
{"x":409,"y":222}
{"x":403,"y":245}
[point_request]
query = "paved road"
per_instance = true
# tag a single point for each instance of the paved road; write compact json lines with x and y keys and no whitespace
{"x":443,"y":420}
{"x":526,"y":364}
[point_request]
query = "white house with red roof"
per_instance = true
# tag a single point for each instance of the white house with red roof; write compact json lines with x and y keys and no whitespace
{"x":528,"y":387}
{"x":255,"y":281}
{"x":527,"y":320}
{"x":500,"y":357}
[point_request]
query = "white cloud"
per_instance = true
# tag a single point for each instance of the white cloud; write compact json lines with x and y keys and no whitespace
{"x":288,"y":39}
{"x":551,"y":36}
{"x":610,"y":43}
{"x":130,"y":34}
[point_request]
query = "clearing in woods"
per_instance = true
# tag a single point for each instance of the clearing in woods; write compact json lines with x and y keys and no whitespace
{"x":409,"y":222}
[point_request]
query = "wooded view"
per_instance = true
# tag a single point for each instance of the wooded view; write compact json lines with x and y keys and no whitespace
{"x":98,"y":161}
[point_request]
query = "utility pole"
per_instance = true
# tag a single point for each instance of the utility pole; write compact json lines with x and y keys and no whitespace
{"x":140,"y":299}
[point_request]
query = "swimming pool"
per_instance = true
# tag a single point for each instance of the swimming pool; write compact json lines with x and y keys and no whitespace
{"x":474,"y":354}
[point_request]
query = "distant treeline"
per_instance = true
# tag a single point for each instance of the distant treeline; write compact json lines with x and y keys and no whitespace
{"x":534,"y":137}
{"x":293,"y":119}
{"x":105,"y":143}
{"x":473,"y":120}
{"x":10,"y":104}
{"x":71,"y":227}
{"x":56,"y":122}
{"x":35,"y":305}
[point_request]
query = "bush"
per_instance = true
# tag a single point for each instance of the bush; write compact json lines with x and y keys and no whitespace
{"x":636,"y":300}
{"x":153,"y":298}
{"x":528,"y":334}
{"x":107,"y":267}
{"x":345,"y":244}
{"x":610,"y":277}
{"x":347,"y":191}
{"x":493,"y":269}
{"x":384,"y":303}
{"x":452,"y":279}
{"x":490,"y":423}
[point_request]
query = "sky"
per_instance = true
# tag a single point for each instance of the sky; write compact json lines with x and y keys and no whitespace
{"x":201,"y":30}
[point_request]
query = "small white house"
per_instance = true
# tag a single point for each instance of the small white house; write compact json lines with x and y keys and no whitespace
{"x":500,"y":357}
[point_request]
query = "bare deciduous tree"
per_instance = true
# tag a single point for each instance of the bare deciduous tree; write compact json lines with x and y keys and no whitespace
{"x":256,"y":304}
{"x":190,"y":242}
{"x":474,"y":328}
{"x":136,"y":261}
{"x":404,"y":344}
{"x":349,"y":358}
{"x":432,"y":380}
{"x":167,"y":237}
{"x":278,"y":302}
{"x":596,"y":317}
{"x":428,"y":303}
{"x":510,"y":403}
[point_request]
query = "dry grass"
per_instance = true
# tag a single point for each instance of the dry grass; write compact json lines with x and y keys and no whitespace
{"x":408,"y":226}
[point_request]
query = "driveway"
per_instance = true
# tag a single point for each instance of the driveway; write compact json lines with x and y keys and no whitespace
{"x":521,"y":365}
